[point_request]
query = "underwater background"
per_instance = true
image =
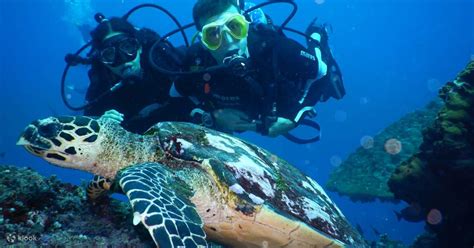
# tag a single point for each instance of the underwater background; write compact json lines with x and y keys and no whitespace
{"x":394,"y":56}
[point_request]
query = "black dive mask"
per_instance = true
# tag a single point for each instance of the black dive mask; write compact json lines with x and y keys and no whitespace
{"x":118,"y":50}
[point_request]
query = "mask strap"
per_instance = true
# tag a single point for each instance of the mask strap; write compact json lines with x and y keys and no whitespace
{"x":241,"y":4}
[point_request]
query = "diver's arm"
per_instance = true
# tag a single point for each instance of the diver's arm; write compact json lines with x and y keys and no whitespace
{"x":281,"y":126}
{"x":232,"y":120}
{"x":296,"y":65}
{"x":97,"y":86}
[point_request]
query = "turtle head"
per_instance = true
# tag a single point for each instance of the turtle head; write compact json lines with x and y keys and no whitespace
{"x":71,"y":142}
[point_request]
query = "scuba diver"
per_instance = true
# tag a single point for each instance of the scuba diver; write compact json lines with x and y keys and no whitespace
{"x":269,"y":82}
{"x":122,"y":80}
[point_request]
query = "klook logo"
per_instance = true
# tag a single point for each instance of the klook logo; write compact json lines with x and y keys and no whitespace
{"x":11,"y":238}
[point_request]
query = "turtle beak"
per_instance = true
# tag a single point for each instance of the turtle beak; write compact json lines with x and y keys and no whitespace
{"x":33,"y":141}
{"x":30,"y":147}
{"x":22,"y":142}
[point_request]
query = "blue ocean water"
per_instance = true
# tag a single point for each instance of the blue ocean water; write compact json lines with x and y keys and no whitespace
{"x":394,"y":54}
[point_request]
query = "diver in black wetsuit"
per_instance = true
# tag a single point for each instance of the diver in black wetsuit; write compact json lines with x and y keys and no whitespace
{"x":120,"y":62}
{"x":270,"y":82}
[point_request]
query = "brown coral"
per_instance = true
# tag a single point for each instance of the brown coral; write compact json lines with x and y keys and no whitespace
{"x":441,"y":175}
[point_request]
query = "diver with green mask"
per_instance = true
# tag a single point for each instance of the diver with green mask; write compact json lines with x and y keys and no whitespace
{"x":270,"y":82}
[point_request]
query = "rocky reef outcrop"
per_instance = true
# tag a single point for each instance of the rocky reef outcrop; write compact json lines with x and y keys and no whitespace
{"x":440,"y":178}
{"x":365,"y":173}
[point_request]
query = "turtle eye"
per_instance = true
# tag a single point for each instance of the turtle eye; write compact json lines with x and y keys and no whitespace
{"x":49,"y":130}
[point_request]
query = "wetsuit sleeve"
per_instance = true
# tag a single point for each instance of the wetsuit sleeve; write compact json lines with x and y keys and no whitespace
{"x":176,"y":109}
{"x":295,"y":65}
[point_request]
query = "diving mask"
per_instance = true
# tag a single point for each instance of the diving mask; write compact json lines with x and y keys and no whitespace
{"x":119,"y":50}
{"x":235,"y":25}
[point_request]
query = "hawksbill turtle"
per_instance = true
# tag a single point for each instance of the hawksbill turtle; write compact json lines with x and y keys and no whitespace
{"x":188,"y":184}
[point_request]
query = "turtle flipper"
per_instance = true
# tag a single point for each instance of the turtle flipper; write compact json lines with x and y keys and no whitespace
{"x":160,"y":201}
{"x":98,"y":187}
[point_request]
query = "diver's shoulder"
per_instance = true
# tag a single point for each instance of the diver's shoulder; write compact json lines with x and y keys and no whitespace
{"x":196,"y":49}
{"x":147,"y":36}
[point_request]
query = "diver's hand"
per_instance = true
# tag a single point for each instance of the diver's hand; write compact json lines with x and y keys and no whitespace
{"x":316,"y":33}
{"x":280,"y":126}
{"x":201,"y":117}
{"x":113,"y":115}
{"x":232,"y":120}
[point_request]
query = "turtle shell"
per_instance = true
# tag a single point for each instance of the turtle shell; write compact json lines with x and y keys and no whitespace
{"x":259,"y":176}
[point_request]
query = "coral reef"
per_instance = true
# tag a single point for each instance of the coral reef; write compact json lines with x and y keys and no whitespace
{"x":426,"y":240}
{"x":364,"y":175}
{"x":385,"y":242}
{"x":44,"y":212}
{"x":38,"y":211}
{"x":440,"y":178}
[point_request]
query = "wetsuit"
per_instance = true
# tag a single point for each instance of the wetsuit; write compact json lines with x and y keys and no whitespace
{"x":144,"y":101}
{"x":274,"y":83}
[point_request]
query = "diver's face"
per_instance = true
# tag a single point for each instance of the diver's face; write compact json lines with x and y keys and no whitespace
{"x":122,"y":55}
{"x":229,"y":45}
{"x":132,"y":68}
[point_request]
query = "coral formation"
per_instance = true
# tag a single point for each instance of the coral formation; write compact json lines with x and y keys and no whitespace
{"x":440,"y":178}
{"x":38,"y":211}
{"x":385,"y":242}
{"x":364,"y":175}
{"x":426,"y":240}
{"x":43,"y":212}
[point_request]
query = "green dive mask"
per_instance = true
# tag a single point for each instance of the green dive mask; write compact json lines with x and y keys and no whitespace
{"x":235,"y":25}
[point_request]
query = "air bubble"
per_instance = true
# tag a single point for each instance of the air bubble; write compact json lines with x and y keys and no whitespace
{"x":273,"y":158}
{"x":367,"y":142}
{"x":393,"y":146}
{"x":434,"y":217}
{"x":206,"y":77}
{"x":363,"y":100}
{"x":335,"y":161}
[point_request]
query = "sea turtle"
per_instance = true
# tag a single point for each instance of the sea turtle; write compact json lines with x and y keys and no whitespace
{"x":187,"y":183}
